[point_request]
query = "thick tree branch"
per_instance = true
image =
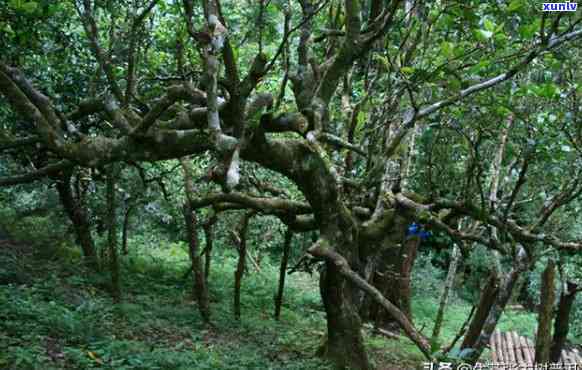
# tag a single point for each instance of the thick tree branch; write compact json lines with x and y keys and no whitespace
{"x":18,"y":142}
{"x":52,"y":169}
{"x":50,"y":134}
{"x":262,"y":204}
{"x":321,"y":249}
{"x":174,"y":93}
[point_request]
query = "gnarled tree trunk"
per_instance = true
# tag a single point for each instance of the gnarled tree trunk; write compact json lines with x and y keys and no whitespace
{"x":388,"y":270}
{"x":78,"y":215}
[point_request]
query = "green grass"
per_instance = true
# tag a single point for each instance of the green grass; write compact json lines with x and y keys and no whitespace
{"x":61,"y":317}
{"x":57,"y":315}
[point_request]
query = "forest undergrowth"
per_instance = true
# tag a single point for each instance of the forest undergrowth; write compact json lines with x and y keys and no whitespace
{"x":56,"y":314}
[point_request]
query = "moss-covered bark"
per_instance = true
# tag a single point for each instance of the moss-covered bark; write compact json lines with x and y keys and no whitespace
{"x":77,"y":213}
{"x":562,"y":322}
{"x":544,"y":333}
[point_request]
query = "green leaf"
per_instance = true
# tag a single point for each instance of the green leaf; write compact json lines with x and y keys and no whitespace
{"x":528,"y":30}
{"x":483,"y":35}
{"x":515,"y":5}
{"x":548,"y":90}
{"x":489,"y":25}
{"x":407,"y":70}
{"x":29,"y":7}
{"x":382,"y":59}
{"x":15,"y":4}
{"x":447,"y":48}
{"x":455,"y":84}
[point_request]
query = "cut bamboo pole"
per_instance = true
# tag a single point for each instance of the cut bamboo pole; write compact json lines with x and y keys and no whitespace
{"x":518,"y":348}
{"x":530,"y":348}
{"x":510,"y":348}
{"x":494,"y":347}
{"x":526,"y":354}
{"x":502,"y":357}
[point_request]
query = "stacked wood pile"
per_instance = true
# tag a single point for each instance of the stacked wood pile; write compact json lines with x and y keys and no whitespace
{"x":510,"y":348}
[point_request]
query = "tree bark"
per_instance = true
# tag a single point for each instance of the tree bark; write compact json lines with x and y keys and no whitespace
{"x":388,"y":270}
{"x":241,"y":246}
{"x":78,"y":215}
{"x":125,"y":231}
{"x":209,"y":238}
{"x":486,"y":301}
{"x":199,"y":289}
{"x":496,"y":181}
{"x":548,"y":296}
{"x":562,"y":322}
{"x":321,"y":249}
{"x":283,"y":273}
{"x":408,"y":256}
{"x":112,"y":235}
{"x":445,"y":296}
{"x":499,"y":304}
{"x":385,"y":276}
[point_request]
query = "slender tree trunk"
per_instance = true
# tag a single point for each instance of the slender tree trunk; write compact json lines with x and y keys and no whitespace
{"x":125,"y":232}
{"x":499,"y":304}
{"x":112,"y":235}
{"x":496,"y":181}
{"x":488,"y":296}
{"x":78,"y":215}
{"x":209,"y":237}
{"x":548,"y":296}
{"x":408,"y":256}
{"x":240,"y":267}
{"x":283,"y":272}
{"x":199,"y":289}
{"x":562,"y":322}
{"x":445,"y":296}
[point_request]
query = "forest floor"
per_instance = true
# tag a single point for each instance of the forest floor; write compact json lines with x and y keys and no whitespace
{"x":54,"y":314}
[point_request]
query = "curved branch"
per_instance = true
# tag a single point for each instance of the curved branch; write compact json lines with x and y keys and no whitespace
{"x":262,"y":204}
{"x":520,"y":233}
{"x":411,"y":117}
{"x":18,"y":142}
{"x":25,"y":105}
{"x":49,"y":170}
{"x":174,"y":94}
